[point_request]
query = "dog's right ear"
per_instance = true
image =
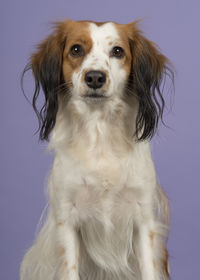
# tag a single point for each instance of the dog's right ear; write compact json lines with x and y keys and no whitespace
{"x":46,"y":65}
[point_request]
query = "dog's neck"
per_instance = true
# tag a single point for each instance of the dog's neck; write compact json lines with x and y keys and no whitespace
{"x":96,"y":127}
{"x":100,"y":139}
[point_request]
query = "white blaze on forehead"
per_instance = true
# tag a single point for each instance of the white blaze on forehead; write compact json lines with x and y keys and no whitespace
{"x":103,"y":34}
{"x":103,"y":39}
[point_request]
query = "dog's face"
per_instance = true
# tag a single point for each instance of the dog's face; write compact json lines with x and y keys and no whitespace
{"x":96,"y":63}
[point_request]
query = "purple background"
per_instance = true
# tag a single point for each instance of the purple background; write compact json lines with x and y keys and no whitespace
{"x":174,"y":26}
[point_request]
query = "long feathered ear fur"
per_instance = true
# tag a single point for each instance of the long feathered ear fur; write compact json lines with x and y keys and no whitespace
{"x":149,"y":68}
{"x":46,"y":65}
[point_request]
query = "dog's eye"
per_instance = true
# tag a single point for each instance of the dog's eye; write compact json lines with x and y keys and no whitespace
{"x":117,"y":52}
{"x":76,"y":50}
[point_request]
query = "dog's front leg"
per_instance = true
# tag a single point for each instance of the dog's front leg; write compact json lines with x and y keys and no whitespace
{"x":67,"y":238}
{"x":146,"y":254}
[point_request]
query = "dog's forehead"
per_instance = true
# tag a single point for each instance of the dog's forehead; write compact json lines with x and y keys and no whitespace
{"x":103,"y":33}
{"x":98,"y":33}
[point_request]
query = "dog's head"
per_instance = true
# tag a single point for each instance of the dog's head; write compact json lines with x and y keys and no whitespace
{"x":96,"y":63}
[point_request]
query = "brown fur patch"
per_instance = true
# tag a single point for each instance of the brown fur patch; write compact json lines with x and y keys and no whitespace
{"x":65,"y":264}
{"x":155,"y":265}
{"x":77,"y":33}
{"x":61,"y":251}
{"x":165,"y":263}
{"x":152,"y":237}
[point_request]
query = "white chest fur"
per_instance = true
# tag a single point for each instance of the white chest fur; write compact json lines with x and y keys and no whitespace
{"x":97,"y":168}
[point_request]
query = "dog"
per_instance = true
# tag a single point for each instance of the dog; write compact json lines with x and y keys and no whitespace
{"x":107,"y":216}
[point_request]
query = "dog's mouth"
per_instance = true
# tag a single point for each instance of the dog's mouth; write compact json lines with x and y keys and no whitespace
{"x":94,"y":96}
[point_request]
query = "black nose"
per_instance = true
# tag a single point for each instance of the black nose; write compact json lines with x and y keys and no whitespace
{"x":95,"y":79}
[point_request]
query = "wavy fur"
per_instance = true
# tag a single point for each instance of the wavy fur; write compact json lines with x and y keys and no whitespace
{"x":107,"y":217}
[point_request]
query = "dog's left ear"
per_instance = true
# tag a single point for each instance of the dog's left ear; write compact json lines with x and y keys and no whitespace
{"x":149,"y":68}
